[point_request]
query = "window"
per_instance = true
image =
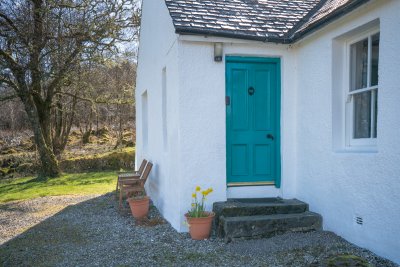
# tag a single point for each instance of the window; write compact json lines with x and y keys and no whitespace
{"x":145,"y":121}
{"x":164,"y":108}
{"x":362,"y":94}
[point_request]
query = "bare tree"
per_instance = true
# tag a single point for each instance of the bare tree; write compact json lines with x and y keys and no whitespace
{"x":42,"y":42}
{"x":108,"y":96}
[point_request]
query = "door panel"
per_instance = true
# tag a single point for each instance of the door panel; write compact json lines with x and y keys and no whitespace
{"x":262,"y":160}
{"x":253,"y":121}
{"x":240,"y":162}
{"x":262,"y":112}
{"x":240,"y":116}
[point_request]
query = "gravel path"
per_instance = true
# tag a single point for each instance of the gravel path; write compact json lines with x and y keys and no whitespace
{"x":17,"y":217}
{"x":89,"y":231}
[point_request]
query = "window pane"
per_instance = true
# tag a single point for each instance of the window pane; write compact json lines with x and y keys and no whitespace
{"x":359,"y":65}
{"x":375,"y":122}
{"x":374,"y":59}
{"x":362,"y":115}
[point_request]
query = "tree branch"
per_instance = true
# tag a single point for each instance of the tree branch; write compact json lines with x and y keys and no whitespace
{"x":9,"y":22}
{"x":14,"y":66}
{"x":8,"y":97}
{"x":60,"y":75}
{"x":78,"y":97}
{"x":9,"y":83}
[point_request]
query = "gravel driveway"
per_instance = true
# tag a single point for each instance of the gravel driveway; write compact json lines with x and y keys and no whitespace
{"x":89,"y":231}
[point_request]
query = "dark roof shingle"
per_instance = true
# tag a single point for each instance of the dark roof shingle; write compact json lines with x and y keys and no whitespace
{"x":280,"y":21}
{"x":329,"y":11}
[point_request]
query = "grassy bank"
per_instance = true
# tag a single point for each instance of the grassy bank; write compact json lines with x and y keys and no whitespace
{"x":92,"y":158}
{"x":67,"y":184}
{"x":123,"y":158}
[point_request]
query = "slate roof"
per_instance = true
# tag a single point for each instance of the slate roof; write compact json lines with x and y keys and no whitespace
{"x":329,"y":11}
{"x":280,"y":21}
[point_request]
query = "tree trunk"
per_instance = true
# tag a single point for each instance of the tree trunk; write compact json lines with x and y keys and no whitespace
{"x":88,"y":128}
{"x":62,"y":125}
{"x":49,"y":164}
{"x":45,"y":124}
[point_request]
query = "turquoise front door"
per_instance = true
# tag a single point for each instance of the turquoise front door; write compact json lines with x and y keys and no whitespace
{"x":253,"y":121}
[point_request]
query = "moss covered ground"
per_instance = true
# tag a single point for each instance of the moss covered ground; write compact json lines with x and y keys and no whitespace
{"x":19,"y":159}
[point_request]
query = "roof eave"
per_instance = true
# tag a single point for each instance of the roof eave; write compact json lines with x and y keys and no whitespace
{"x":266,"y":39}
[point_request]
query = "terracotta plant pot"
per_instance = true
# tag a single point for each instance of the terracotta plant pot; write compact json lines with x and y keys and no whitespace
{"x":139,"y":207}
{"x":200,"y":228}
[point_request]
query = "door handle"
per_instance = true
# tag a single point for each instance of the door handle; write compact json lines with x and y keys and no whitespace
{"x":270,"y":136}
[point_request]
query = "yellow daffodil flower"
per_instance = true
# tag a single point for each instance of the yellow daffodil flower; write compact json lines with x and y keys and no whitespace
{"x":198,"y":203}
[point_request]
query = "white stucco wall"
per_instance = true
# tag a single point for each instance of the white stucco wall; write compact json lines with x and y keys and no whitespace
{"x":342,"y":185}
{"x":339,"y":185}
{"x":158,"y":50}
{"x":203,"y":115}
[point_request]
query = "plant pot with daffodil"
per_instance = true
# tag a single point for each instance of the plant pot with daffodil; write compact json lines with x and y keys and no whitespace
{"x":198,"y":219}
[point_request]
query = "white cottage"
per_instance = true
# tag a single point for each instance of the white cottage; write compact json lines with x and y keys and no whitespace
{"x":266,"y":98}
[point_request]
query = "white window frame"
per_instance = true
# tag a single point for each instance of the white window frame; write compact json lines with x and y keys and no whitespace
{"x":358,"y":143}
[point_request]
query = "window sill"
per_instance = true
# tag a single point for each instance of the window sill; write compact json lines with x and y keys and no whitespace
{"x":358,"y":149}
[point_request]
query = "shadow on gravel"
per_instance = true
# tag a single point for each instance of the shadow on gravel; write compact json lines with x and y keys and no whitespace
{"x":47,"y":243}
{"x":95,"y":233}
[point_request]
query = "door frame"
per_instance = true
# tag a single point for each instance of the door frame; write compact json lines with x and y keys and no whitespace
{"x":252,"y":59}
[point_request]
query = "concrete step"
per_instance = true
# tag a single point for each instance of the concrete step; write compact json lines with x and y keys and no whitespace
{"x":258,"y":206}
{"x":258,"y":226}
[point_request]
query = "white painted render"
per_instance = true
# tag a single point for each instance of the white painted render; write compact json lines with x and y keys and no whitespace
{"x":203,"y":135}
{"x":338,"y":184}
{"x":341,"y":185}
{"x":159,"y":50}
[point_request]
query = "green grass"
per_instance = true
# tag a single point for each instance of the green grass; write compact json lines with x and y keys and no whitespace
{"x":68,"y":184}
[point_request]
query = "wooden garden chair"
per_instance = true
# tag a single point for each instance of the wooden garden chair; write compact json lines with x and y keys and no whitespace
{"x":130,"y":175}
{"x":134,"y":186}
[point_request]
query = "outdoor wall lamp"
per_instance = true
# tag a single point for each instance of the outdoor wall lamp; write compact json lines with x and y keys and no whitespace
{"x":218,"y":51}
